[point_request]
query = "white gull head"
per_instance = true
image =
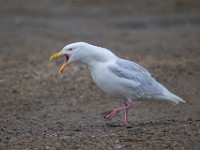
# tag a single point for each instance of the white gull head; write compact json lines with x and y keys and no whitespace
{"x":86,"y":53}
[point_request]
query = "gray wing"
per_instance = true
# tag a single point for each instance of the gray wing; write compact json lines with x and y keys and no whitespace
{"x":134,"y":72}
{"x":132,"y":66}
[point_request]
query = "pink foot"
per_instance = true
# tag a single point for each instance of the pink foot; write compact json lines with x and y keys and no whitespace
{"x":125,"y":123}
{"x":117,"y":110}
{"x":112,"y":114}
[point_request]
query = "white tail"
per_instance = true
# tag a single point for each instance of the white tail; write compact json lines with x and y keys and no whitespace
{"x":176,"y":99}
{"x":171,"y":97}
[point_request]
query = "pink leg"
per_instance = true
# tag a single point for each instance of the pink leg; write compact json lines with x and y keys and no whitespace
{"x":128,"y":105}
{"x":117,"y":110}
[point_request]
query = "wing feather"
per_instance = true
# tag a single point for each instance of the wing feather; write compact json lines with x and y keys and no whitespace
{"x":131,"y":71}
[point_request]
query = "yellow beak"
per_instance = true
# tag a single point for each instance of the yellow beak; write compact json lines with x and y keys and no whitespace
{"x":63,"y":67}
{"x":56,"y":56}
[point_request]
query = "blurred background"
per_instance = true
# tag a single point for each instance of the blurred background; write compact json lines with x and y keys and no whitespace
{"x":41,"y":110}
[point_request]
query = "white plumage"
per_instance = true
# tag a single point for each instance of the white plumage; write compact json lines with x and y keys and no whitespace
{"x":116,"y":76}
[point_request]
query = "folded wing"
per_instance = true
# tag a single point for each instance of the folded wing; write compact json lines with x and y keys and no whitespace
{"x":147,"y":85}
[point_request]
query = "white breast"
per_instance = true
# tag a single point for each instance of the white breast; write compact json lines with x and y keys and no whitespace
{"x":108,"y":82}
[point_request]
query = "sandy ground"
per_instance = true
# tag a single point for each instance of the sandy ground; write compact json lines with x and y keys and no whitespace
{"x":41,"y":110}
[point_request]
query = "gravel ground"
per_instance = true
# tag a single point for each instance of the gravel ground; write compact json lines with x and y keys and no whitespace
{"x":41,"y":110}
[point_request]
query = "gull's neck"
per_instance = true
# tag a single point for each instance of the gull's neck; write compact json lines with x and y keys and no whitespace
{"x":96,"y":55}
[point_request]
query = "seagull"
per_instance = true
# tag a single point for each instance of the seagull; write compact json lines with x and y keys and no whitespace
{"x":116,"y":76}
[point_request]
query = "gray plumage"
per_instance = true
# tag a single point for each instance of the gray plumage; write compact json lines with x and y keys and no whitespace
{"x":145,"y":87}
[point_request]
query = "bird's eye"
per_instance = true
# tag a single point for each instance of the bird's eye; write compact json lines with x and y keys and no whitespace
{"x":70,"y":49}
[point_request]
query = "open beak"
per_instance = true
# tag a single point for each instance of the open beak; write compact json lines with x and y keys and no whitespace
{"x":65,"y":64}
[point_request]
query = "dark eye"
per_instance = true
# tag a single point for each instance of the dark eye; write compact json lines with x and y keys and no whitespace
{"x":70,"y":49}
